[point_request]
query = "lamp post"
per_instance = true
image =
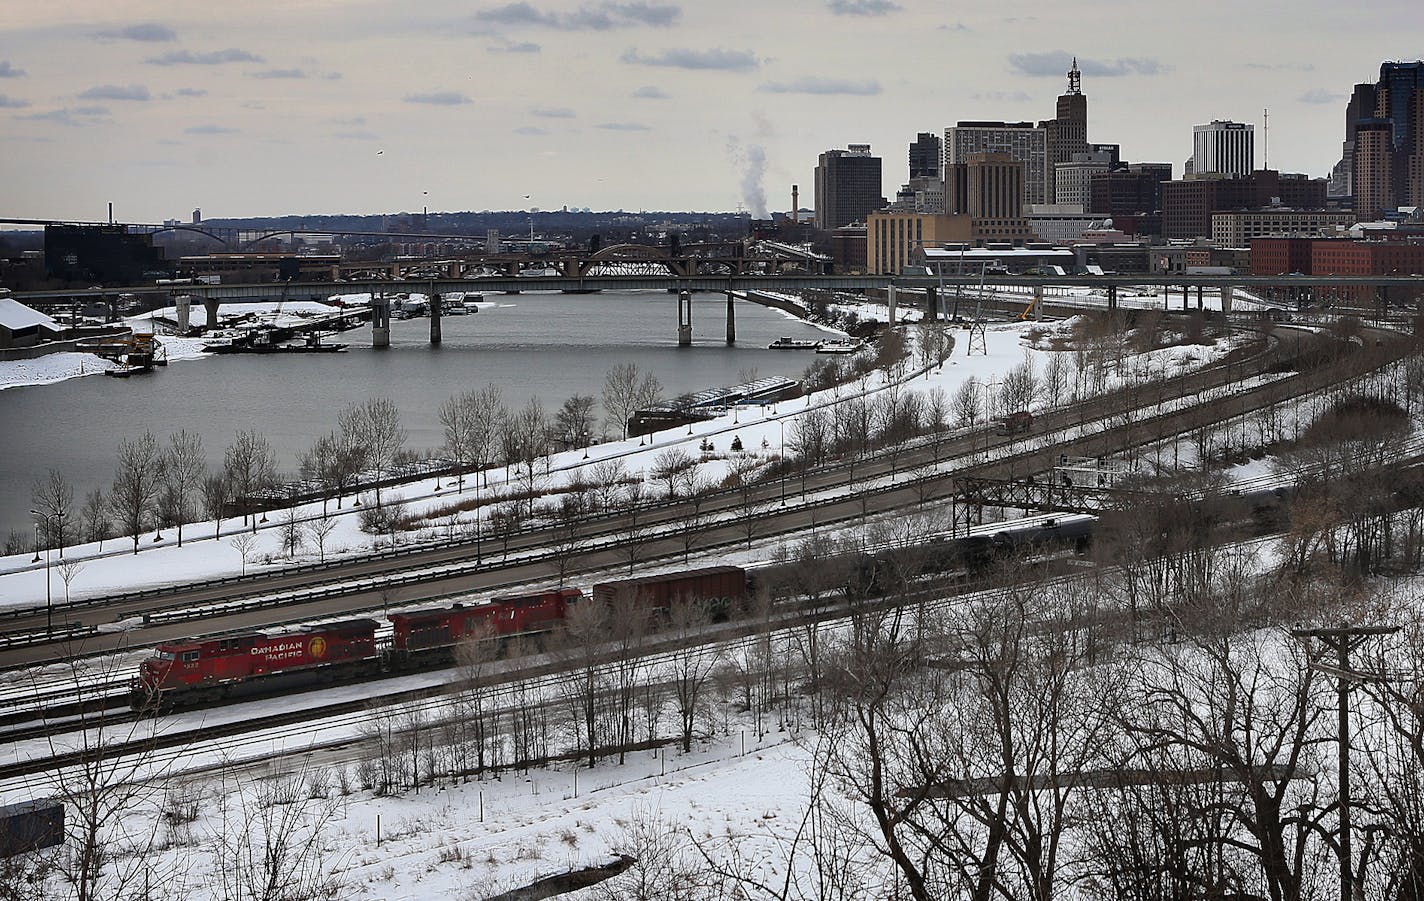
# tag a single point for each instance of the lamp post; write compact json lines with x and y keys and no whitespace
{"x":49,"y":596}
{"x":987,"y":386}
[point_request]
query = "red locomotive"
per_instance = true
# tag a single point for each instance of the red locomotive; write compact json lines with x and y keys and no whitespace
{"x":202,"y":670}
{"x":224,"y":666}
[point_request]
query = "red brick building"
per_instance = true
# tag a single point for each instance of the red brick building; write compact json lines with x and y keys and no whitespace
{"x":1339,"y":256}
{"x":1187,"y":205}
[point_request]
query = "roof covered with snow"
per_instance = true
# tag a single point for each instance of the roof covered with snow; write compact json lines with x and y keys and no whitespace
{"x":15,"y":316}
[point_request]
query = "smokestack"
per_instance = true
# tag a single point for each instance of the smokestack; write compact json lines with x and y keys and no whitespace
{"x":795,"y":205}
{"x":111,"y":212}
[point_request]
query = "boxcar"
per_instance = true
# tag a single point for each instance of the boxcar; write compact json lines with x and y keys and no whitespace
{"x":434,"y":632}
{"x":715,"y":587}
{"x":30,"y":825}
{"x":223,"y":666}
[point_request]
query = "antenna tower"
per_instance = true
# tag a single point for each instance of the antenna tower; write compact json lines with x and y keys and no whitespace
{"x":1075,"y":79}
{"x":1265,"y":139}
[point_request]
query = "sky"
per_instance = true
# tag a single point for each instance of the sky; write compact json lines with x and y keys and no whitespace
{"x":263,"y":107}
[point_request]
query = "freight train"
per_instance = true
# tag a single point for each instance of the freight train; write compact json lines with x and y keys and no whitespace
{"x":230,"y":666}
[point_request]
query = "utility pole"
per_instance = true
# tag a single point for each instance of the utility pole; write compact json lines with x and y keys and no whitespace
{"x":1339,"y":642}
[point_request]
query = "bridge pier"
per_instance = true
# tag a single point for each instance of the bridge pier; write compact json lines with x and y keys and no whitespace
{"x":210,"y":307}
{"x":1199,"y":298}
{"x":1226,"y":300}
{"x":932,"y":303}
{"x":183,"y":312}
{"x":890,"y":302}
{"x":434,"y":320}
{"x":1112,"y":298}
{"x":731,"y":320}
{"x":1037,"y":302}
{"x":380,"y":320}
{"x":684,"y":319}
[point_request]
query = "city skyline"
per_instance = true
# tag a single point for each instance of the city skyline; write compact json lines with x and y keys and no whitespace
{"x":366,"y":106}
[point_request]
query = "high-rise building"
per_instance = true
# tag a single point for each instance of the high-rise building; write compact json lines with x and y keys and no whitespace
{"x":925,"y":156}
{"x":1224,"y":148}
{"x":1021,"y":141}
{"x":847,"y":186}
{"x":1389,"y":142}
{"x":1361,"y":106}
{"x":1067,"y":133}
{"x":1187,"y":205}
{"x":1072,"y":180}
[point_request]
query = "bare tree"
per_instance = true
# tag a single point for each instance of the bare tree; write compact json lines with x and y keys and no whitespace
{"x":693,"y":663}
{"x":95,"y":517}
{"x":333,"y":465}
{"x":456,"y":417}
{"x":670,"y":467}
{"x":216,"y":496}
{"x":291,"y":531}
{"x":320,"y":530}
{"x":586,"y":631}
{"x":573,"y":425}
{"x":608,"y":477}
{"x":69,"y":570}
{"x":625,"y":390}
{"x":135,"y":485}
{"x":271,"y":847}
{"x":376,"y":427}
{"x":245,"y":543}
{"x":966,"y":406}
{"x":53,"y":498}
{"x":249,"y":467}
{"x":184,"y":469}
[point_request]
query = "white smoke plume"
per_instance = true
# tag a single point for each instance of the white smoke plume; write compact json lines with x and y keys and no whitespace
{"x":751,"y":160}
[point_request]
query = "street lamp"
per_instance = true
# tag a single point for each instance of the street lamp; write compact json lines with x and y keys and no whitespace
{"x":49,"y":595}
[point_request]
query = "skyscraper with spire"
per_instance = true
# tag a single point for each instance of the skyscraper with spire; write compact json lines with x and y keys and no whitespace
{"x":1067,"y":132}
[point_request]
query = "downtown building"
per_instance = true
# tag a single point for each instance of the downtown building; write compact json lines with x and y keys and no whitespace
{"x":1223,"y":148}
{"x":1022,"y":142}
{"x":1388,"y":150}
{"x":1188,"y":205}
{"x":847,"y":186}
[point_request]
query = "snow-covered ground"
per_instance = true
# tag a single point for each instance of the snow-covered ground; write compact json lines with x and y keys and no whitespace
{"x":760,"y":429}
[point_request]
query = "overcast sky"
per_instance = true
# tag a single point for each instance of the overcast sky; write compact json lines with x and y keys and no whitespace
{"x":266,"y":107}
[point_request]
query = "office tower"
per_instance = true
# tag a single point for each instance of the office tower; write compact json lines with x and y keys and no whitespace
{"x":847,"y":186}
{"x":1223,"y":148}
{"x":1361,"y":106}
{"x":1389,"y":151}
{"x":1021,"y":141}
{"x":925,"y":156}
{"x":1067,"y":133}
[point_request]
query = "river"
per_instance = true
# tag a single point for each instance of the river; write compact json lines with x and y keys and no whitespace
{"x":548,"y":346}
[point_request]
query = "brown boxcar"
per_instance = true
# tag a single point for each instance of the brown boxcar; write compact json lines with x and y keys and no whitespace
{"x":715,"y":587}
{"x":419,"y":631}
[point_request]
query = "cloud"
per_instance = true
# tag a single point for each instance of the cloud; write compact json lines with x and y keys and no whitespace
{"x":209,"y":130}
{"x":650,"y":92}
{"x":439,"y":98}
{"x":623,"y":126}
{"x":1003,"y":96}
{"x":1291,"y":67}
{"x":814,"y":85}
{"x":278,"y":73}
{"x":862,"y":7}
{"x":1056,"y":63}
{"x":148,"y":32}
{"x":508,"y":46}
{"x":12,"y":102}
{"x":116,"y":92}
{"x":557,"y":113}
{"x":191,"y":92}
{"x":1320,"y":96}
{"x":204,"y":58}
{"x":530,"y":130}
{"x":589,"y":17}
{"x":9,"y":71}
{"x":357,"y":135}
{"x":76,"y":116}
{"x":682,"y":58}
{"x":957,"y":26}
{"x":349,"y":120}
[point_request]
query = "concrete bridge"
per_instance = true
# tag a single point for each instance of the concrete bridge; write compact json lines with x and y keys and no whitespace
{"x":926,"y":289}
